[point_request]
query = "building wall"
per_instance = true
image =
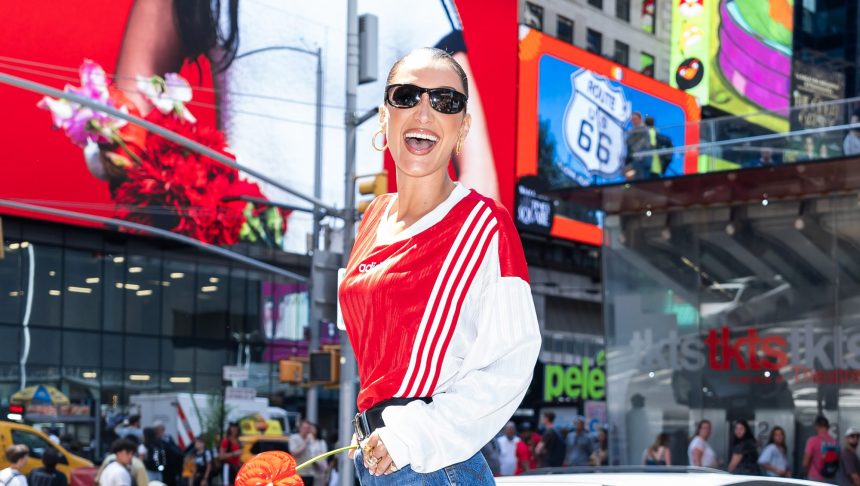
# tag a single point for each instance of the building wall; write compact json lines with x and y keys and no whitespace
{"x":603,"y":20}
{"x":114,"y":315}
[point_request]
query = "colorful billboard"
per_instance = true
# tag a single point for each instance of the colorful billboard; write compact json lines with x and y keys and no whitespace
{"x":581,"y":118}
{"x":735,"y":55}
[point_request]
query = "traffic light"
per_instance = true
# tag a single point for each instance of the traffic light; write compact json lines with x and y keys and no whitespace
{"x":324,"y":366}
{"x":376,"y":186}
{"x":290,"y":371}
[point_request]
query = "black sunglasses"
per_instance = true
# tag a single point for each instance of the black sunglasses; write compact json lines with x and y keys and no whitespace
{"x":444,"y":100}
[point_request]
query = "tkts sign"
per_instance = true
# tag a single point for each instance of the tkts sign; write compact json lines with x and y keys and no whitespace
{"x":813,"y":357}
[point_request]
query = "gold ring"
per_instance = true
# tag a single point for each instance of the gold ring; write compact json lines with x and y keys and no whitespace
{"x":372,"y":460}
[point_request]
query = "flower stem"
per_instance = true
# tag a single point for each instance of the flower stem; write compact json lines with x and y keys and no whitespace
{"x":119,"y":141}
{"x":324,"y":455}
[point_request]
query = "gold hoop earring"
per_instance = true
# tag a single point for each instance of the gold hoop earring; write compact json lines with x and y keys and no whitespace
{"x":373,"y":140}
{"x":459,"y":147}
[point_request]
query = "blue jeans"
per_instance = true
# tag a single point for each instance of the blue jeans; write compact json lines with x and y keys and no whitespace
{"x":471,"y":472}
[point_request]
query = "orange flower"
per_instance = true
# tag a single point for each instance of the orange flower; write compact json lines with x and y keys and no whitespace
{"x":272,"y":468}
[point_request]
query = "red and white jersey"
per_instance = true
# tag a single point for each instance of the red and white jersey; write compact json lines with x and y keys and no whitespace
{"x":441,"y":309}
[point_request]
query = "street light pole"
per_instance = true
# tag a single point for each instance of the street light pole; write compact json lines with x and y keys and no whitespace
{"x":348,"y":371}
{"x":314,"y":318}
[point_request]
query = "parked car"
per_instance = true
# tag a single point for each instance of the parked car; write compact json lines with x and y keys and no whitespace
{"x":37,"y":442}
{"x":643,"y":476}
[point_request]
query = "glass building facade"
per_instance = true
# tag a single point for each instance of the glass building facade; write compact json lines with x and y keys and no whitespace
{"x":739,"y":312}
{"x":103,"y":316}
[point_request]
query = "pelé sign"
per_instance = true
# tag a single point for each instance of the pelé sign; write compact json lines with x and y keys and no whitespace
{"x":586,"y":381}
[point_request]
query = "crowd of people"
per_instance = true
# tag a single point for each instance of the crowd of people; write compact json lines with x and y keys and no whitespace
{"x":824,"y":459}
{"x":514,"y":451}
{"x":148,"y":456}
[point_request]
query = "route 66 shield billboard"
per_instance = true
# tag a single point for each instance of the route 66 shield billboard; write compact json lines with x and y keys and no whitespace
{"x":575,"y":113}
{"x":594,"y":125}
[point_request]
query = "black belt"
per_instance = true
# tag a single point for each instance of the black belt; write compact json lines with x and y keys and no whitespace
{"x":371,"y":419}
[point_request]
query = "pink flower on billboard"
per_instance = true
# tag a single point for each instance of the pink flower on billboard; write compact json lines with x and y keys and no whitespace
{"x":81,"y":123}
{"x":160,"y":183}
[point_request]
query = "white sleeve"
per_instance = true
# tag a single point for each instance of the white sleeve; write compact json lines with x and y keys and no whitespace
{"x":766,"y":454}
{"x":489,"y":385}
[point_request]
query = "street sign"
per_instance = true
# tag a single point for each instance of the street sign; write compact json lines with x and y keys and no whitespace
{"x":235,"y":373}
{"x":236,"y":393}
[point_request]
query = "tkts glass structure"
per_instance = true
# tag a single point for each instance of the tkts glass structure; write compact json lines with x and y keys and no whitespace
{"x":734,"y":296}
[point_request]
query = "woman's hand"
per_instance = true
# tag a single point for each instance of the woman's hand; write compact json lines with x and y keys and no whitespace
{"x":376,"y":457}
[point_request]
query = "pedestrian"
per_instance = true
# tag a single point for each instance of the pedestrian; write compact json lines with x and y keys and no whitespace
{"x":16,"y":456}
{"x":524,"y":452}
{"x":657,"y":141}
{"x":202,"y":459}
{"x":131,"y":426}
{"x":116,"y":472}
{"x":435,"y":299}
{"x":172,"y":453}
{"x":600,"y":456}
{"x":302,"y":449}
{"x":851,"y":144}
{"x":48,"y":474}
{"x":636,"y":140}
{"x":230,"y":453}
{"x":700,"y":452}
{"x":821,"y":454}
{"x":744,"y":459}
{"x":507,"y":443}
{"x":156,"y":456}
{"x":550,"y":450}
{"x":579,"y":445}
{"x":849,"y":463}
{"x":774,"y":458}
{"x":658,"y":453}
{"x":318,"y":446}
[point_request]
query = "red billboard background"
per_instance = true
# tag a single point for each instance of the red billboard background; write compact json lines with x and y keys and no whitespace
{"x":46,"y":44}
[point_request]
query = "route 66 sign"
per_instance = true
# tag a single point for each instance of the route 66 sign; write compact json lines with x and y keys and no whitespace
{"x":594,"y":123}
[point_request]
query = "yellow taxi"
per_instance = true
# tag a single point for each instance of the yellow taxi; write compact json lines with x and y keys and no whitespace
{"x":15,"y":433}
{"x":259,"y":434}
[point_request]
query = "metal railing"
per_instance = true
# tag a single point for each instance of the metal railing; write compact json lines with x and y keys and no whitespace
{"x":807,"y":133}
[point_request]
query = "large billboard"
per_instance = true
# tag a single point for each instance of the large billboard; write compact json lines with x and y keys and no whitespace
{"x":251,"y":96}
{"x":582,"y":117}
{"x":123,"y":54}
{"x":735,"y":55}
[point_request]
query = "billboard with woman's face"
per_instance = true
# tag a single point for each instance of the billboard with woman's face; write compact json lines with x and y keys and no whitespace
{"x":251,"y":94}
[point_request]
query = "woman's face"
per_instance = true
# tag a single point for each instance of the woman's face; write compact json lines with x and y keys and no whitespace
{"x":779,"y":436}
{"x":740,"y":430}
{"x":705,"y":430}
{"x":414,"y":156}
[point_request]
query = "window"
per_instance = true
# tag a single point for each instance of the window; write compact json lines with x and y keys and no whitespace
{"x":564,"y":29}
{"x":596,"y":3}
{"x":594,"y":42}
{"x":533,"y":16}
{"x":36,"y":444}
{"x":648,"y":16}
{"x":622,"y":53}
{"x":622,"y":10}
{"x":646,"y":64}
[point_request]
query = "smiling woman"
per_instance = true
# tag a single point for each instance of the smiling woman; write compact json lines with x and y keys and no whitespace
{"x":436,"y":299}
